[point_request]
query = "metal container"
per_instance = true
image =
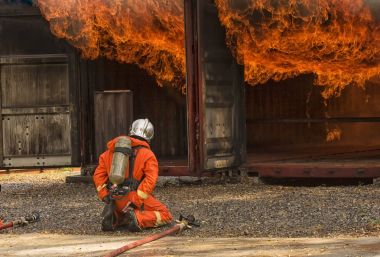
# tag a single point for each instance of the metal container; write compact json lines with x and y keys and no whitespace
{"x":120,"y":161}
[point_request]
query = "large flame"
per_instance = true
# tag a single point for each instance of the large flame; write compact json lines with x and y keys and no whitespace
{"x":337,"y":40}
{"x":149,"y":33}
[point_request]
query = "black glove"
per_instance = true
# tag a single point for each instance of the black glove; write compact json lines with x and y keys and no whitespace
{"x":107,"y":199}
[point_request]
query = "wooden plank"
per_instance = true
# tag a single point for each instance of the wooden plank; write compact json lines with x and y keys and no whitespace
{"x":26,"y":135}
{"x":74,"y":108}
{"x":86,"y":141}
{"x":34,"y":85}
{"x":54,"y":134}
{"x":20,"y":136}
{"x":34,"y":59}
{"x":36,"y":110}
{"x":37,"y":161}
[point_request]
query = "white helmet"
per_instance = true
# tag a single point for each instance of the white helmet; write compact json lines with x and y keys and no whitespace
{"x":142,"y":128}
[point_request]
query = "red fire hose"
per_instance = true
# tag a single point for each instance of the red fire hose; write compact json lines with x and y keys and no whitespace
{"x":183,"y":223}
{"x":144,"y":241}
{"x":6,"y":225}
{"x":34,"y":217}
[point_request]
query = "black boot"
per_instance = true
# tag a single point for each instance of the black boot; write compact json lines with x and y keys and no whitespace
{"x":131,"y":220}
{"x":109,"y":219}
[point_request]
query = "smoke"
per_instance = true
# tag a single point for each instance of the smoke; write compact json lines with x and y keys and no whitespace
{"x":375,"y":8}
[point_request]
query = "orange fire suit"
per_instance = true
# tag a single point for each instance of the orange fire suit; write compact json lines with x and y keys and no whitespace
{"x":153,"y":213}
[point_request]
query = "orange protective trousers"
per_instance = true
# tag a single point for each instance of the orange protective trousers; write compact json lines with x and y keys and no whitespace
{"x":152,"y":214}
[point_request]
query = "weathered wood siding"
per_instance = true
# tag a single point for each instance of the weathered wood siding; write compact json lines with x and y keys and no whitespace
{"x":165,"y":107}
{"x":39,"y":104}
{"x":35,"y":111}
{"x":34,"y":85}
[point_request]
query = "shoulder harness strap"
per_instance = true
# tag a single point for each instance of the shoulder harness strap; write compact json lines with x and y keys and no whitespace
{"x":131,"y":181}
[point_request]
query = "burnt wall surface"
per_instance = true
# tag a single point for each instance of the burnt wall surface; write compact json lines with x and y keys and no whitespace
{"x":293,"y":113}
{"x":23,"y":31}
{"x":165,"y":107}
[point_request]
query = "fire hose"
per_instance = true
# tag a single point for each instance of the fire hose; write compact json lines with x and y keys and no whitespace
{"x":23,"y":221}
{"x":182,"y":223}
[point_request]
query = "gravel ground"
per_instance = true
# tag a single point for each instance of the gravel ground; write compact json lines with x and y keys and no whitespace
{"x":226,"y":210}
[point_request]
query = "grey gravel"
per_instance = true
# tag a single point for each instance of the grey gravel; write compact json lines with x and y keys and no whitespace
{"x":225,"y":210}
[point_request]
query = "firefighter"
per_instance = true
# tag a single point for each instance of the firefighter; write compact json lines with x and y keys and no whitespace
{"x":136,"y":208}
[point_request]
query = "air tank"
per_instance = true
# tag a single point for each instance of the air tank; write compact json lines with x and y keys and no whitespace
{"x":120,"y":160}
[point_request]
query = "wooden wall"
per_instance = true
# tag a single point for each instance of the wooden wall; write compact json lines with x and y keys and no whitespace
{"x":113,"y":116}
{"x":31,"y":85}
{"x":39,"y":90}
{"x":165,"y":107}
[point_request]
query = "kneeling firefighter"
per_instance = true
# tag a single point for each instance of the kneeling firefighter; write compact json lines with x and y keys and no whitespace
{"x":125,"y":179}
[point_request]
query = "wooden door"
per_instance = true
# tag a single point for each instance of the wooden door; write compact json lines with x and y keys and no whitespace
{"x":35,"y":111}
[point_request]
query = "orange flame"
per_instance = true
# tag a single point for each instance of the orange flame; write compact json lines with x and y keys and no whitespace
{"x":337,"y":40}
{"x":148,"y":33}
{"x":333,"y":134}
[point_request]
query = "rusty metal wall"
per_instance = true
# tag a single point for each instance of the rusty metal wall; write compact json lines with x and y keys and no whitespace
{"x":221,"y":93}
{"x":293,"y":112}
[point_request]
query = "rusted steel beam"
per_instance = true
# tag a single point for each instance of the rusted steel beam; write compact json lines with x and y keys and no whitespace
{"x":192,"y":87}
{"x":174,"y":170}
{"x":319,"y":120}
{"x":315,"y":170}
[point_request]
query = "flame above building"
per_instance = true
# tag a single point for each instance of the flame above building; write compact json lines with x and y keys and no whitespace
{"x":148,"y":33}
{"x":337,"y":40}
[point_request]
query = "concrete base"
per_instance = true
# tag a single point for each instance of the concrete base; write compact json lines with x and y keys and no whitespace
{"x":79,"y":179}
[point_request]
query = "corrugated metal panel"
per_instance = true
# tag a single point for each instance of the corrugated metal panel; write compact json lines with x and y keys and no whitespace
{"x":299,"y":98}
{"x":293,"y":112}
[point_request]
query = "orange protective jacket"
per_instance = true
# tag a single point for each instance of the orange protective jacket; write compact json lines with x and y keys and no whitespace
{"x":146,"y":166}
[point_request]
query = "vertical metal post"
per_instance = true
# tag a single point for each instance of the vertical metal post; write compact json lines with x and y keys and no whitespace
{"x":192,"y":86}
